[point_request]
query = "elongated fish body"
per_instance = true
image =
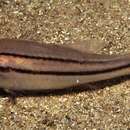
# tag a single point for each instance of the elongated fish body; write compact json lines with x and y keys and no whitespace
{"x":26,"y":65}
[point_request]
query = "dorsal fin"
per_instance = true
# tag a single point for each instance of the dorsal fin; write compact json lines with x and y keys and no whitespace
{"x":87,"y":46}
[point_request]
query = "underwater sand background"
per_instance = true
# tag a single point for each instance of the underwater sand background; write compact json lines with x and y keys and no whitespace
{"x":67,"y":21}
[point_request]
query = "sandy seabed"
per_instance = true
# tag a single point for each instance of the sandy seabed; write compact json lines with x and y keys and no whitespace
{"x":61,"y":22}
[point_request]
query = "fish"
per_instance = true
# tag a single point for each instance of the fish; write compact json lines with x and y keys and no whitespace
{"x":29,"y":65}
